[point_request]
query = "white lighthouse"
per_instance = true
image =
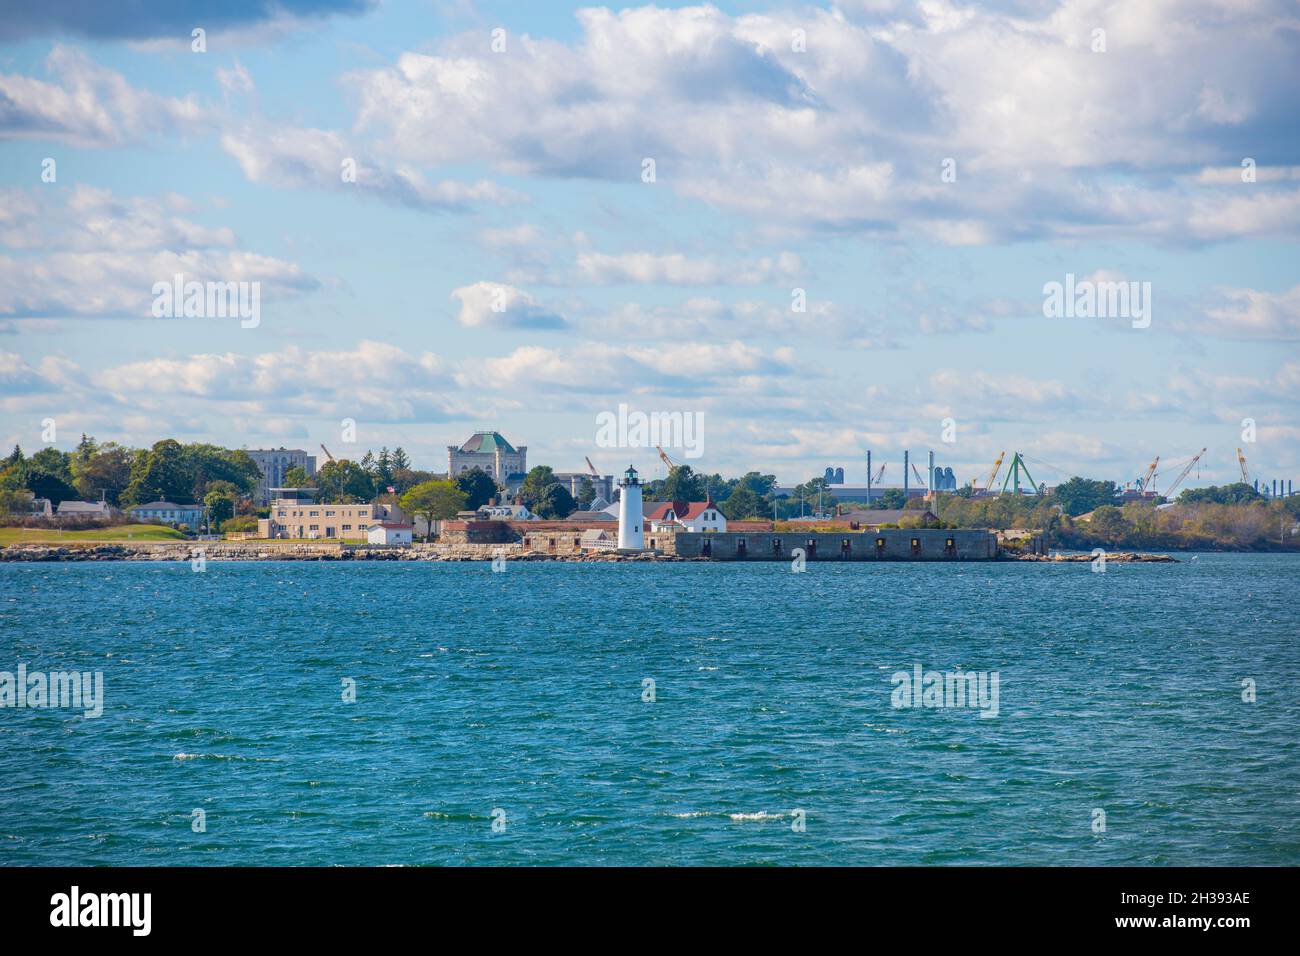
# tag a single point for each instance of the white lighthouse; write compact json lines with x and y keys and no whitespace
{"x":631,"y":520}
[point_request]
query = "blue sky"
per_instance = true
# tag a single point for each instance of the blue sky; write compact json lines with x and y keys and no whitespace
{"x":796,"y":146}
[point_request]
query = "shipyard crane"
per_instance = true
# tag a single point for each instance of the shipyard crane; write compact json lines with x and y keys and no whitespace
{"x":1187,"y":470}
{"x":1014,"y":471}
{"x":326,"y":451}
{"x":997,"y":466}
{"x":1241,"y":460}
{"x":919,"y":477}
{"x":880,"y":471}
{"x":668,"y":462}
{"x":1146,"y":479}
{"x":591,"y":468}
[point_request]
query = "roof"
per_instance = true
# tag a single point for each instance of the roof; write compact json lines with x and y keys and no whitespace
{"x":165,"y":505}
{"x":684,"y":510}
{"x":82,"y":506}
{"x":487,"y":443}
{"x":391,"y":526}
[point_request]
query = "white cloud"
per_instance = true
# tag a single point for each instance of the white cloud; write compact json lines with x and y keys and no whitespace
{"x":298,"y":156}
{"x":1249,"y":313}
{"x":100,"y":255}
{"x":677,"y":269}
{"x":87,"y":105}
{"x":497,"y":305}
{"x":1049,"y":137}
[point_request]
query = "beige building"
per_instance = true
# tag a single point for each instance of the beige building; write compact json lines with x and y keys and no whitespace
{"x":311,"y":521}
{"x":489,"y":451}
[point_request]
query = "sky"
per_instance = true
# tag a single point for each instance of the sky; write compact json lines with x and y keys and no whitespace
{"x":822,"y":228}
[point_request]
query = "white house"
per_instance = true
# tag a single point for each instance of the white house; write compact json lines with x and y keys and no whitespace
{"x":685,"y":516}
{"x":84,"y":509}
{"x":516,"y":512}
{"x":389,"y":533}
{"x":169,"y":513}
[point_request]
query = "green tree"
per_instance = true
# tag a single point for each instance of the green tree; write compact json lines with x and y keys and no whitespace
{"x":891,"y":499}
{"x":383,"y":470}
{"x":478,"y":486}
{"x":220,"y":498}
{"x":544,"y":496}
{"x":744,"y":503}
{"x":297,"y":477}
{"x":1080,"y":495}
{"x":553,"y":503}
{"x":42,"y":484}
{"x":14,"y":498}
{"x":102,"y":470}
{"x":405,"y":479}
{"x":1108,"y":523}
{"x":160,"y":474}
{"x":682,"y":484}
{"x":586,"y":493}
{"x":1220,"y":494}
{"x":52,"y":462}
{"x":760,"y":485}
{"x":204,"y":463}
{"x":344,"y":481}
{"x":433,"y":501}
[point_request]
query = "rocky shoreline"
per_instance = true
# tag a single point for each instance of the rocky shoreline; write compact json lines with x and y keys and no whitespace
{"x":1117,"y":557}
{"x":227,"y":551}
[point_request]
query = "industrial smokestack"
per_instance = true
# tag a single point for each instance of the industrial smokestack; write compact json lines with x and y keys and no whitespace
{"x":931,"y":469}
{"x":906,"y":465}
{"x":868,"y":476}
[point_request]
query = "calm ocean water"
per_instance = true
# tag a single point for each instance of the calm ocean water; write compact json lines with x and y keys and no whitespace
{"x":522,"y":692}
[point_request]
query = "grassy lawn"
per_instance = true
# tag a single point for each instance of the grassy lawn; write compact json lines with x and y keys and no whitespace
{"x":123,"y":533}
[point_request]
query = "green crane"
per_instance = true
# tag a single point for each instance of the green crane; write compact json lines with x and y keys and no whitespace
{"x":1013,"y":475}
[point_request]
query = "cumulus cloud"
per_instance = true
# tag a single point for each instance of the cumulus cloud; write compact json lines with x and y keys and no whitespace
{"x":1254,"y":314}
{"x":850,"y":133}
{"x":87,"y":253}
{"x":85,"y":104}
{"x":496,"y":305}
{"x":376,"y":381}
{"x":300,"y":156}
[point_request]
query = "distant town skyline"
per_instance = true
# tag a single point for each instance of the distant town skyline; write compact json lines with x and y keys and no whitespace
{"x":825,"y":229}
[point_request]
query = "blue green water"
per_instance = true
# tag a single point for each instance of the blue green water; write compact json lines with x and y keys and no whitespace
{"x":522,"y":691}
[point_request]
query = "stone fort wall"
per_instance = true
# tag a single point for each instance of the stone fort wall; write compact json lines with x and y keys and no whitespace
{"x":900,"y":544}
